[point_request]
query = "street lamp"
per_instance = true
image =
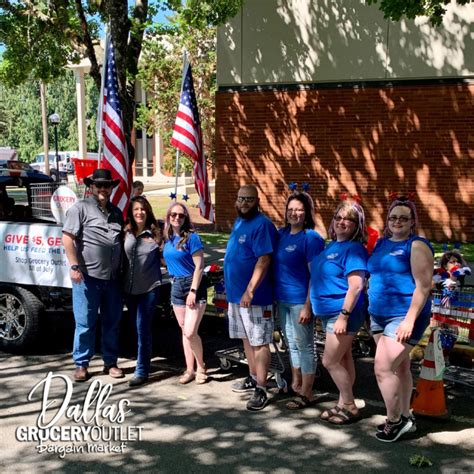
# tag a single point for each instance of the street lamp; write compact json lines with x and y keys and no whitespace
{"x":55,"y":119}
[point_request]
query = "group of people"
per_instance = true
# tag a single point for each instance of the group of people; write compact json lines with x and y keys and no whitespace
{"x":112,"y":261}
{"x":294,"y":268}
{"x":291,"y":270}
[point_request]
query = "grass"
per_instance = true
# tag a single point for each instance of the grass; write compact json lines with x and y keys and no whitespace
{"x":214,"y":238}
{"x":466,"y":250}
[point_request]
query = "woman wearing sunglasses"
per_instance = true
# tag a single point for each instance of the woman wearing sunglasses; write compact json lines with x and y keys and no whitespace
{"x":184,"y":257}
{"x":337,"y":283}
{"x":298,"y":244}
{"x":401,"y":269}
{"x":142,"y":278}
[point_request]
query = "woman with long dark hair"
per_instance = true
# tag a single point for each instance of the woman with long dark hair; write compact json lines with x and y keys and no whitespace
{"x":298,"y":244}
{"x":184,"y":257}
{"x":142,"y":278}
{"x":401,"y":269}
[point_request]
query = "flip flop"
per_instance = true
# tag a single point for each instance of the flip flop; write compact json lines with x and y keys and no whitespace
{"x":326,"y":414}
{"x":300,"y":402}
{"x":344,"y":417}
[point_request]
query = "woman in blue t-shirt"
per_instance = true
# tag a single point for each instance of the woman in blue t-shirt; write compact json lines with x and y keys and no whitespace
{"x":337,"y":283}
{"x":184,"y":257}
{"x":298,"y":243}
{"x":401,"y":268}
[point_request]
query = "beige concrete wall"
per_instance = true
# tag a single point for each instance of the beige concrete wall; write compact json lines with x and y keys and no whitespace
{"x":294,"y":41}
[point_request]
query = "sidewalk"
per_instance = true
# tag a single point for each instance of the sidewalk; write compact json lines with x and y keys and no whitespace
{"x":206,"y":429}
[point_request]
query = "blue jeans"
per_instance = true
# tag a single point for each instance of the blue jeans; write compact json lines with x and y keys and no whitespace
{"x":300,"y":337}
{"x":388,"y":325}
{"x":88,"y":297}
{"x":141,"y":309}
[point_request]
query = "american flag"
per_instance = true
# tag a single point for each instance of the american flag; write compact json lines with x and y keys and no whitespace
{"x":115,"y":156}
{"x":187,"y":137}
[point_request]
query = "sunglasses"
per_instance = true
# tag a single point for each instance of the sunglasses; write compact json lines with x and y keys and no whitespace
{"x":103,"y":185}
{"x":345,"y":219}
{"x":248,"y":199}
{"x":178,"y":215}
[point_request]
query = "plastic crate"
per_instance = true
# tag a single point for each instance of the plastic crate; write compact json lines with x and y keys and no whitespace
{"x":454,"y":312}
{"x":84,"y":167}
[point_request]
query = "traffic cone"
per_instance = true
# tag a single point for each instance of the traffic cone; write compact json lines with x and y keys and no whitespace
{"x":428,"y":398}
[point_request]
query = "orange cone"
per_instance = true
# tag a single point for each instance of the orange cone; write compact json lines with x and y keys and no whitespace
{"x":428,"y":398}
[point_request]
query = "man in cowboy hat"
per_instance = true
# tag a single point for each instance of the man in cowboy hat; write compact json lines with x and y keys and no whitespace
{"x":92,"y":238}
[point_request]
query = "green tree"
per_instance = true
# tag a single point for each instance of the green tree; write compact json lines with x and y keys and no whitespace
{"x":21,"y":115}
{"x":42,"y":36}
{"x":160,"y":71}
{"x":434,"y":9}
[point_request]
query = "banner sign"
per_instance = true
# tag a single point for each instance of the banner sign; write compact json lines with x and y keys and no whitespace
{"x":33,"y":254}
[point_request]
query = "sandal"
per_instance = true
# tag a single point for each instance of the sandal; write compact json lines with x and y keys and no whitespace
{"x":344,"y":417}
{"x":186,"y":377}
{"x":326,"y":414}
{"x":201,"y":376}
{"x":300,"y":402}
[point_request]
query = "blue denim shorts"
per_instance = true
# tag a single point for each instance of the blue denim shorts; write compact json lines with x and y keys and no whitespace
{"x":180,"y":287}
{"x":388,"y":326}
{"x":354,"y":323}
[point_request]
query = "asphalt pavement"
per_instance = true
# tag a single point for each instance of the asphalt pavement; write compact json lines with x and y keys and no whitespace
{"x":105,"y":426}
{"x":170,"y":428}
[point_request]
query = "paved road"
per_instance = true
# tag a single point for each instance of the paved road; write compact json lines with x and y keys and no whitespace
{"x":207,"y":428}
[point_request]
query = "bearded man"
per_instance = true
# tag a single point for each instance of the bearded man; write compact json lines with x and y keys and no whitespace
{"x":250,"y":292}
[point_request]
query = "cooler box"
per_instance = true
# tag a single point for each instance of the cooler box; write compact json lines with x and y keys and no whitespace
{"x":84,"y":167}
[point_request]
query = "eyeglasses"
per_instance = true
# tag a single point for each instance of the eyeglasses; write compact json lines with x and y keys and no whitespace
{"x":178,"y":215}
{"x":402,"y":219}
{"x":345,"y":219}
{"x":297,"y":211}
{"x":248,"y":199}
{"x":103,"y":185}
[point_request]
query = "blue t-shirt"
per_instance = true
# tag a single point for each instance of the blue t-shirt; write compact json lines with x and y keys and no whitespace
{"x":180,"y":261}
{"x":391,"y":283}
{"x":249,"y":240}
{"x":293,"y":254}
{"x":329,"y":271}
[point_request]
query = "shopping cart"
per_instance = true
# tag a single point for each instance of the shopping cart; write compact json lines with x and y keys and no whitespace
{"x":279,"y":360}
{"x":453,"y":313}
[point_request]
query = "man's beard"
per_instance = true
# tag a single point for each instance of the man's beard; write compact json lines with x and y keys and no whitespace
{"x":250,"y":214}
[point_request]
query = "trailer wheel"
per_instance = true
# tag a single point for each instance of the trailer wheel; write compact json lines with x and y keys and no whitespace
{"x":225,"y":363}
{"x":19,"y":317}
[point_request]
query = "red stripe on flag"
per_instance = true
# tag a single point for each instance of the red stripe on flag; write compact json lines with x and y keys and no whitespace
{"x":115,"y":147}
{"x":182,"y":135}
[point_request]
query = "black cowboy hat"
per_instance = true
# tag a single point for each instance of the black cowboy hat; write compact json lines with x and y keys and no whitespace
{"x":102,"y":176}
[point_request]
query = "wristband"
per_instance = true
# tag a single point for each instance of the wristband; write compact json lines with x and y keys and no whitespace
{"x":192,"y":290}
{"x":345,"y":312}
{"x":75,"y":267}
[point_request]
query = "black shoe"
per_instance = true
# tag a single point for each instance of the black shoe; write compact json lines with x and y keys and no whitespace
{"x":380,"y":428}
{"x":137,"y":381}
{"x":246,"y":385}
{"x":393,"y":431}
{"x":258,"y":401}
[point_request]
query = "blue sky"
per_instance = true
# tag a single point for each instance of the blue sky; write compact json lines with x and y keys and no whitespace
{"x":161,"y":18}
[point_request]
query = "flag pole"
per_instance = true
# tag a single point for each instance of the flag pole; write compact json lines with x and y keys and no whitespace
{"x":185,"y":60}
{"x":100,"y":137}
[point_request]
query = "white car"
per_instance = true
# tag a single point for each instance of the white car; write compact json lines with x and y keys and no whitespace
{"x":64,"y":163}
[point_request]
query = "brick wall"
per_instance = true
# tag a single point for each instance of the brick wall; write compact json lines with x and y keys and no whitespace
{"x":368,"y":141}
